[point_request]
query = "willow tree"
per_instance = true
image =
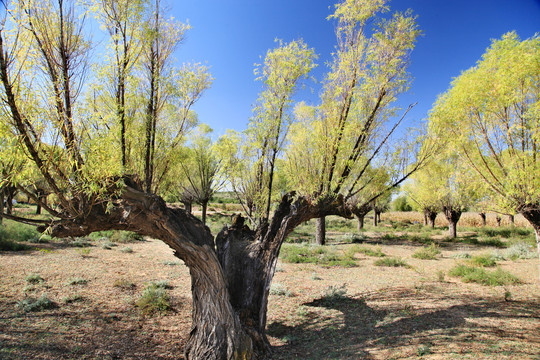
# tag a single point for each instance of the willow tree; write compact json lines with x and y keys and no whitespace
{"x":491,"y":115}
{"x":231,"y":274}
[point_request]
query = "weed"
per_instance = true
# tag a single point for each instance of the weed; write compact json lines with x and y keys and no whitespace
{"x":462,"y":255}
{"x":353,"y":238}
{"x":440,"y":275}
{"x":424,"y":350}
{"x":280,"y":290}
{"x":108,"y":245}
{"x":314,"y":276}
{"x":126,"y":250}
{"x":32,"y":304}
{"x":370,"y":251}
{"x":320,"y":255}
{"x":154,"y":300}
{"x":334,"y":294}
{"x":81,"y":242}
{"x":507,"y":295}
{"x":171,"y":263}
{"x":483,"y":260}
{"x":18,"y":232}
{"x":84,"y":252}
{"x":164,"y":284}
{"x":427,"y":253}
{"x":72,"y":298}
{"x":124,"y":284}
{"x":391,"y":261}
{"x":481,"y":276}
{"x":520,"y":250}
{"x":34,"y":279}
{"x":77,"y":281}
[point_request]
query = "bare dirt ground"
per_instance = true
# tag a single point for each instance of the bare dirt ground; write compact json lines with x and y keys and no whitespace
{"x":386,"y":313}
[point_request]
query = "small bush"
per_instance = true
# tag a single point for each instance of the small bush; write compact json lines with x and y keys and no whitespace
{"x":108,"y":245}
{"x":353,"y":238}
{"x":520,"y":251}
{"x":81,"y":242}
{"x":280,"y":290}
{"x":334,"y":294}
{"x":34,"y":279}
{"x":164,"y":284}
{"x":72,"y":298}
{"x":84,"y":252}
{"x":481,"y":276}
{"x":171,"y":263}
{"x":391,"y":262}
{"x":32,"y":304}
{"x":462,"y":255}
{"x":77,"y":281}
{"x":320,"y":255}
{"x":483,"y":260}
{"x":154,"y":300}
{"x":427,"y":253}
{"x":18,"y":232}
{"x":370,"y":251}
{"x":124,"y":284}
{"x":127,"y":250}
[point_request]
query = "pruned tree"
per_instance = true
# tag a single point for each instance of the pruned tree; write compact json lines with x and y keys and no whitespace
{"x":231,"y":274}
{"x":490,"y":114}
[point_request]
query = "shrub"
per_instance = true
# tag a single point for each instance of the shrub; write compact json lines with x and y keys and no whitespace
{"x":124,"y":284}
{"x":369,"y":251}
{"x":18,"y":232}
{"x":81,"y":242}
{"x":280,"y":290}
{"x":334,"y":294}
{"x":34,"y":279}
{"x":320,"y":255}
{"x":520,"y":251}
{"x":72,"y":298}
{"x":164,"y":284}
{"x":427,"y":253}
{"x":126,"y":249}
{"x":481,"y":276}
{"x":391,"y":262}
{"x":154,"y":300}
{"x":77,"y":281}
{"x":483,"y":260}
{"x":33,"y":304}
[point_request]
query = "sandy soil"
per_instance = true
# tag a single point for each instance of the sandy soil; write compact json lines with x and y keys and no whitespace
{"x":388,"y":313}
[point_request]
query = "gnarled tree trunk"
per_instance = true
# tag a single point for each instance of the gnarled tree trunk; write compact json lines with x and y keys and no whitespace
{"x":430,"y":216}
{"x":452,"y":215}
{"x":360,"y":219}
{"x":511,"y":219}
{"x":498,"y":219}
{"x":230,"y":278}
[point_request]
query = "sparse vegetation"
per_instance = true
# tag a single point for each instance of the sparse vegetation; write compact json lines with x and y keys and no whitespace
{"x":391,"y":262}
{"x":483,"y":260}
{"x":280,"y":290}
{"x":154,"y":300}
{"x":31,"y":304}
{"x":430,"y":252}
{"x":320,"y":255}
{"x":77,"y":281}
{"x":482,"y":276}
{"x":34,"y":279}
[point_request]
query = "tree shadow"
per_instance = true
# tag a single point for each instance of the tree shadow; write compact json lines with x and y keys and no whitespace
{"x":366,"y":327}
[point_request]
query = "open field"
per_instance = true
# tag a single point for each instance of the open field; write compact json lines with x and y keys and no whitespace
{"x":355,"y":310}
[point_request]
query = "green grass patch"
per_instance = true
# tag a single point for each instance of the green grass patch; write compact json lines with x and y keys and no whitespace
{"x":18,"y":232}
{"x":154,"y":300}
{"x":314,"y":254}
{"x":34,"y":279}
{"x":482,"y":276}
{"x":391,"y":262}
{"x":124,"y":284}
{"x":9,"y":245}
{"x":118,"y":236}
{"x":430,"y":252}
{"x":483,"y":260}
{"x":31,"y":304}
{"x":368,"y":251}
{"x":77,"y":281}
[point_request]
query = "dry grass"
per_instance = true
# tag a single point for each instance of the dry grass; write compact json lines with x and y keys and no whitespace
{"x":315,"y":312}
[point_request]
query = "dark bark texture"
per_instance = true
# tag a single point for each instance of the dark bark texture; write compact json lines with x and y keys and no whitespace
{"x":452,"y":215}
{"x":483,"y":217}
{"x":320,"y":231}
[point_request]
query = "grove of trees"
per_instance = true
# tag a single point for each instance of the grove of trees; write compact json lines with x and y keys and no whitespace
{"x":108,"y":139}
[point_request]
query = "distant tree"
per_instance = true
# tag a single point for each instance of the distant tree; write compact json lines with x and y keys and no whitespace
{"x":401,"y":204}
{"x":490,"y":115}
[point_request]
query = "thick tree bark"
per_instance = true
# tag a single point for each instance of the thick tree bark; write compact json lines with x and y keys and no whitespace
{"x":360,"y":219}
{"x":320,"y":231}
{"x":498,"y":219}
{"x":432,"y":216}
{"x":452,"y":215}
{"x":1,"y":205}
{"x":188,"y":206}
{"x":483,"y":217}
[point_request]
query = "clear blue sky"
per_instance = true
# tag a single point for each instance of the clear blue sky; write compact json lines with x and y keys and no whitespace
{"x":230,"y":36}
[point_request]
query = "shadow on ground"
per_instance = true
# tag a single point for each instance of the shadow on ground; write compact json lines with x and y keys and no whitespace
{"x":391,"y":325}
